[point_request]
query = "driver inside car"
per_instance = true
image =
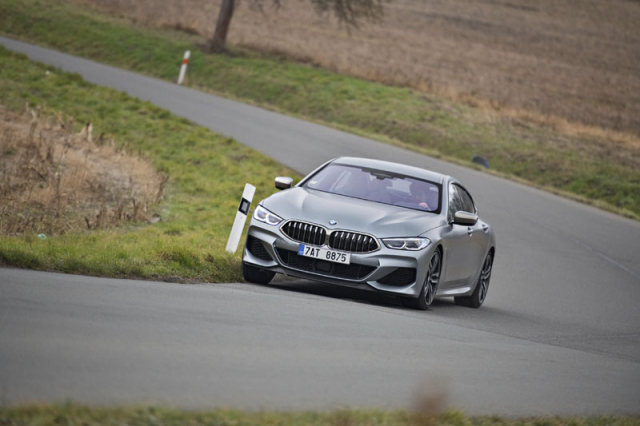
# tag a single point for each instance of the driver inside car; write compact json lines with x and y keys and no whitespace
{"x":421,"y":197}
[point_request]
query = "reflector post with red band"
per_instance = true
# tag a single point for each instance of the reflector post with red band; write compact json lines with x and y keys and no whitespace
{"x":183,"y":67}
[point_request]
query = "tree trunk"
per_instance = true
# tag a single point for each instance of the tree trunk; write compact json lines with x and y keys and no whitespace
{"x":219,"y":39}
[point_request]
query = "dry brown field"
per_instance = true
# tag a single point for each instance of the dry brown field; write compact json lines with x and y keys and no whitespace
{"x":572,"y":64}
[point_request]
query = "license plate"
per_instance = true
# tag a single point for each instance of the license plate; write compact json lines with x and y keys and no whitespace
{"x":324,"y":254}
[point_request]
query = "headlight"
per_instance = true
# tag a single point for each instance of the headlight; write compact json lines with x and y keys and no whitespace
{"x":406,"y":243}
{"x":264,"y":215}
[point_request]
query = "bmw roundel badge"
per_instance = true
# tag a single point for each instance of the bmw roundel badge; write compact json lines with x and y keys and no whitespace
{"x":332,"y":222}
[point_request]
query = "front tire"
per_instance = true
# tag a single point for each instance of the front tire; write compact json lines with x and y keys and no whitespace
{"x":479,"y":294}
{"x":429,"y":286}
{"x":256,"y":275}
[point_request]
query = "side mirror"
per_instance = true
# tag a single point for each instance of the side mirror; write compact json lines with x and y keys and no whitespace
{"x":465,"y":218}
{"x":283,"y":182}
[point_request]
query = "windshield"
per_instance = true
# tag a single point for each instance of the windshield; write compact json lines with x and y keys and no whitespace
{"x":378,"y":186}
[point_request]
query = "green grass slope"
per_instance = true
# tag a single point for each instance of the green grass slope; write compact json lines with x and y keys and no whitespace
{"x":595,"y":171}
{"x":207,"y":175}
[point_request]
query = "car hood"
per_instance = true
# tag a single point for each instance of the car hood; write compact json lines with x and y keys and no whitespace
{"x":380,"y":220}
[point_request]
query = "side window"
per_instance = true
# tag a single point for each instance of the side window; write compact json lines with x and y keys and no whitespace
{"x":455,"y":202}
{"x":459,"y":200}
{"x":467,"y":201}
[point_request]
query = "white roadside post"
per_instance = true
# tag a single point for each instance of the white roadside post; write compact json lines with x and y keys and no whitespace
{"x":241,"y":218}
{"x":183,"y":68}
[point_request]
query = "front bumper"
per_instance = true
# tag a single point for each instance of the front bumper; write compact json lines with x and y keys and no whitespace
{"x":393,"y":271}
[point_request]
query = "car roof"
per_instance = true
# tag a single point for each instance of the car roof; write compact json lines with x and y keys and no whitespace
{"x":402,"y":169}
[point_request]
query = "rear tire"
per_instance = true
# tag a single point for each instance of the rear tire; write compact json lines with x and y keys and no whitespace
{"x":429,"y":286}
{"x":479,"y":294}
{"x":256,"y":275}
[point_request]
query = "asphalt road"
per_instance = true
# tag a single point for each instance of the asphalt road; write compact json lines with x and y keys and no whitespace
{"x":559,"y":332}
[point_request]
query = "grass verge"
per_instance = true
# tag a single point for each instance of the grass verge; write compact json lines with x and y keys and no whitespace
{"x":207,"y":174}
{"x":601,"y":172}
{"x":70,"y":414}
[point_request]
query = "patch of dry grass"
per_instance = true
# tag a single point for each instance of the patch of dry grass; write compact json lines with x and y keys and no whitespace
{"x":572,"y":65}
{"x":55,"y":181}
{"x":73,"y":414}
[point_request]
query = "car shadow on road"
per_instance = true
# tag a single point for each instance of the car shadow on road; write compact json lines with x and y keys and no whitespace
{"x":351,"y":294}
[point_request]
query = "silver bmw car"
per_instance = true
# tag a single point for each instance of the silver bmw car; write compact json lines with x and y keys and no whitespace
{"x":374,"y":225}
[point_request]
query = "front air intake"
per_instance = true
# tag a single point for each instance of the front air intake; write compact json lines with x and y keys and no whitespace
{"x":352,"y":271}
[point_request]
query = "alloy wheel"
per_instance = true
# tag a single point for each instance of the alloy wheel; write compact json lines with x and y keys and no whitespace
{"x":485,"y":278}
{"x":432,"y":279}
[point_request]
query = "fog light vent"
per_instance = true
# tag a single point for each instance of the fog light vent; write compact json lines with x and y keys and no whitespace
{"x":401,"y":276}
{"x":256,"y":248}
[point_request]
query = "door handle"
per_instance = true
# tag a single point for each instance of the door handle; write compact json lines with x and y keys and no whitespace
{"x":469,"y":231}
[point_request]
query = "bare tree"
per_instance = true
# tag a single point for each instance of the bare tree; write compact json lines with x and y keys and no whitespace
{"x":348,"y":12}
{"x":219,"y":39}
